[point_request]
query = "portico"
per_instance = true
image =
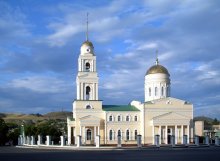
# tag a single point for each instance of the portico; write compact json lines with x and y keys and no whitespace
{"x":89,"y":128}
{"x":170,"y":124}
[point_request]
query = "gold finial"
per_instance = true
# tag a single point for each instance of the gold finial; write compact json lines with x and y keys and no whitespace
{"x":157,"y":61}
{"x":87,"y":27}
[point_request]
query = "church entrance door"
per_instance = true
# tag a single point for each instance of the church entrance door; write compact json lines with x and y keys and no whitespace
{"x":169,"y":133}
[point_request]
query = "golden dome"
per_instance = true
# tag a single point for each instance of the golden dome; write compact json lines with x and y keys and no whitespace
{"x":157,"y":69}
{"x":88,"y":43}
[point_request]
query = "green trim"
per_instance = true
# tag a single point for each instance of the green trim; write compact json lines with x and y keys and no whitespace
{"x":119,"y":108}
{"x":71,"y":119}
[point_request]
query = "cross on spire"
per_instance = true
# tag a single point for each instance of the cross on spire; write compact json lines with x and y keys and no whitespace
{"x":157,"y":61}
{"x":87,"y":27}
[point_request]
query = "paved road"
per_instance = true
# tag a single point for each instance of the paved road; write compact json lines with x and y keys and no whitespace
{"x":162,"y":154}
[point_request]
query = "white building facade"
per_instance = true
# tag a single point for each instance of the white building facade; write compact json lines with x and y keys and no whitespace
{"x":160,"y":114}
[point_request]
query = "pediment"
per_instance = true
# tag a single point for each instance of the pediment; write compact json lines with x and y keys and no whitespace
{"x":89,"y":117}
{"x":170,"y":100}
{"x":171,"y":118}
{"x":90,"y":121}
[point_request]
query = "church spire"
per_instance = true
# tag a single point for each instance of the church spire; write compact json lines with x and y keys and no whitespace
{"x":157,"y":61}
{"x":87,"y":27}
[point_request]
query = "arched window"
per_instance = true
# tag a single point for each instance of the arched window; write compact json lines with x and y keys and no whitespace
{"x":127,"y":118}
{"x":110,"y":118}
{"x":88,"y":107}
{"x":88,"y":90}
{"x":162,"y":91}
{"x":149,"y":91}
{"x":135,"y":118}
{"x":135,"y":134}
{"x":119,"y":118}
{"x":110,"y":135}
{"x":87,"y":67}
{"x":88,"y":134}
{"x":127,"y":135}
{"x":119,"y":132}
{"x":155,"y":91}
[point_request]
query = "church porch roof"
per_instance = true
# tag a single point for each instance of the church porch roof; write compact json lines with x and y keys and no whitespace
{"x":119,"y":108}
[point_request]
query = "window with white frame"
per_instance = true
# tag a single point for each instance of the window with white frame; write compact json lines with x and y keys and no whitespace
{"x":110,"y":135}
{"x":87,"y":67}
{"x":119,"y":132}
{"x":88,"y":93}
{"x":149,"y":91}
{"x":119,"y":118}
{"x":135,"y":118}
{"x":110,"y":118}
{"x":135,"y":134}
{"x":127,"y":118}
{"x":127,"y":135}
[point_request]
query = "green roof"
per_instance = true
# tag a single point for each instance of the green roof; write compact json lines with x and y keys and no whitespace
{"x":119,"y":108}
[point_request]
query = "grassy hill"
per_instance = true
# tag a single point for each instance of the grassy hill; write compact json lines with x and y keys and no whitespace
{"x":20,"y":118}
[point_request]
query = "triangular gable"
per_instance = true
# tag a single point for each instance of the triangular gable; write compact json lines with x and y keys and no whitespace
{"x":89,"y":117}
{"x":170,"y":115}
{"x":171,"y":118}
{"x":89,"y":121}
{"x":169,"y":100}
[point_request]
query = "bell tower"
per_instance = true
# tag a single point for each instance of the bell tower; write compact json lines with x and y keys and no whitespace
{"x":87,"y":77}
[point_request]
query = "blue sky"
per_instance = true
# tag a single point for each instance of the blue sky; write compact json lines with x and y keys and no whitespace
{"x":40,"y":43}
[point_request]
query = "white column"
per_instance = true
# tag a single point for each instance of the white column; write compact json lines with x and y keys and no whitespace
{"x":176,"y":137}
{"x":97,"y":141}
{"x":77,"y":96}
{"x":94,"y":133}
{"x":159,"y":133}
{"x":69,"y":135}
{"x":153,"y":135}
{"x":82,"y":91}
{"x":139,"y":141}
{"x":182,"y":133}
{"x":48,"y":140}
{"x":32,"y":140}
{"x":79,"y":141}
{"x":84,"y":132}
{"x":97,"y":91}
{"x":98,"y":130}
{"x":105,"y":129}
{"x":74,"y":134}
{"x":166,"y":140}
{"x":62,"y":141}
{"x":188,"y":134}
{"x":80,"y":130}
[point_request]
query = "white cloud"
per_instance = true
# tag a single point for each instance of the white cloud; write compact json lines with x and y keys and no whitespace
{"x":126,"y":35}
{"x":40,"y":84}
{"x":147,"y":46}
{"x":13,"y":23}
{"x":63,"y":34}
{"x":208,"y":110}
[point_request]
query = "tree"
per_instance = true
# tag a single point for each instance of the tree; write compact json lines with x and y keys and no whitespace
{"x":13,"y":133}
{"x":3,"y":132}
{"x":215,"y":122}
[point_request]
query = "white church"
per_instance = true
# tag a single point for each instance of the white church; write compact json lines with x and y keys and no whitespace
{"x":160,"y":114}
